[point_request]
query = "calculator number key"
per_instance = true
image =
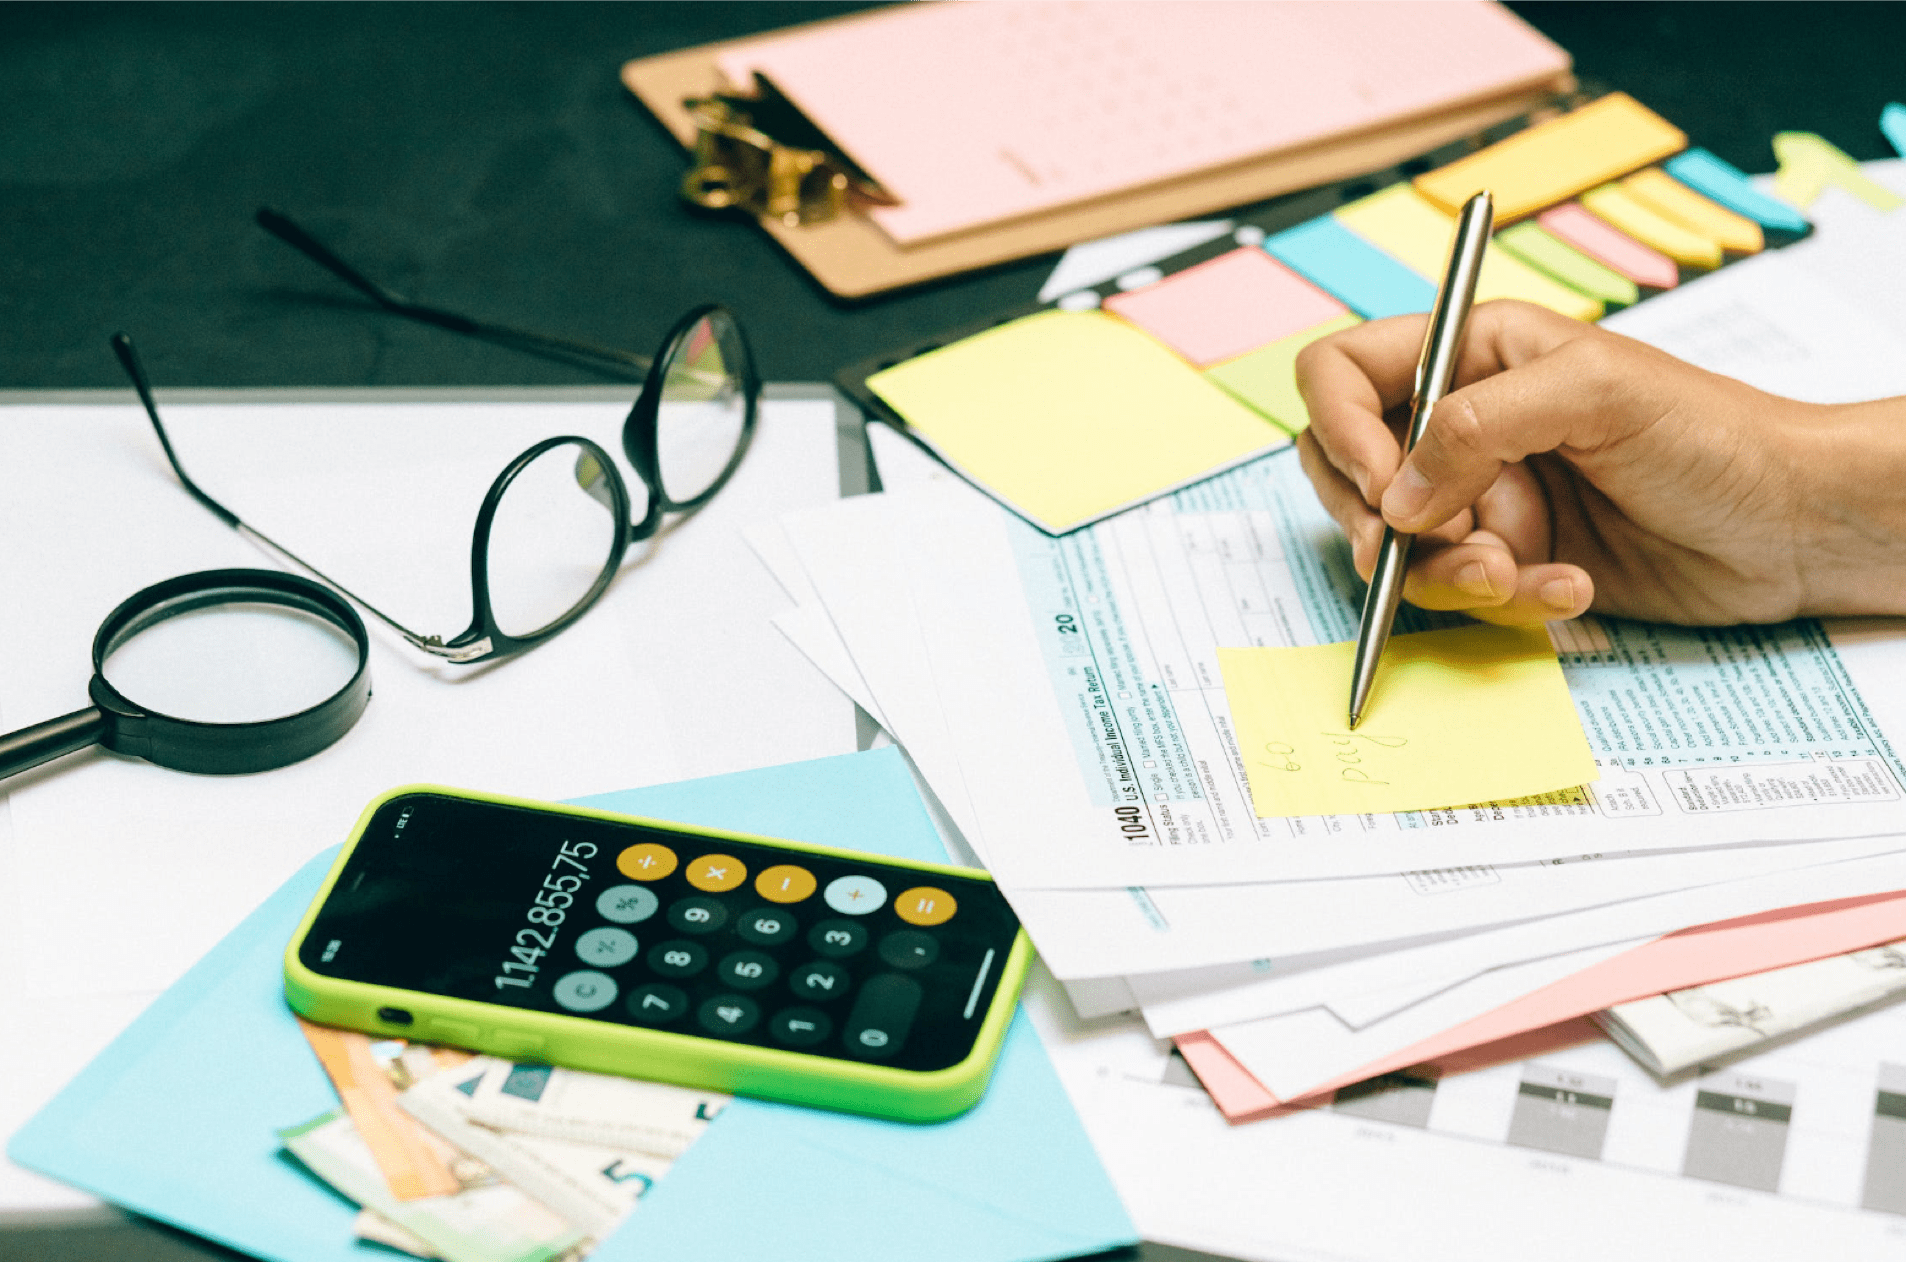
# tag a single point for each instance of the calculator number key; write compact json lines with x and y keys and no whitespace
{"x":698,"y":915}
{"x":837,"y":939}
{"x":800,"y":1027}
{"x":657,"y":1003}
{"x":822,"y":980}
{"x":728,"y":1015}
{"x":678,"y":958}
{"x":748,"y":970}
{"x":882,"y":1016}
{"x":766,"y":928}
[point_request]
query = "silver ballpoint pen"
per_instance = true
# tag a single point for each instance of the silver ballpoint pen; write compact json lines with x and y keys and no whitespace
{"x":1435,"y":367}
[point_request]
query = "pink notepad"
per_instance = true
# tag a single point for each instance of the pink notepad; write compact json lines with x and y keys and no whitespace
{"x":974,"y":113}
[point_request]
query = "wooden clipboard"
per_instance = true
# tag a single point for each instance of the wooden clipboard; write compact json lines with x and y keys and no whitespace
{"x":852,"y":258}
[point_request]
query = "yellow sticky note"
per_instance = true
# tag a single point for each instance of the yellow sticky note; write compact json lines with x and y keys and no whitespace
{"x":1670,"y":198}
{"x":1614,"y":205}
{"x":1472,"y":714}
{"x":1810,"y":163}
{"x":1402,"y":222}
{"x":1069,"y":416}
{"x":1553,"y":161}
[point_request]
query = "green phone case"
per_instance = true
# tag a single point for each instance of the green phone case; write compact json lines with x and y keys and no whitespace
{"x":581,"y":1042}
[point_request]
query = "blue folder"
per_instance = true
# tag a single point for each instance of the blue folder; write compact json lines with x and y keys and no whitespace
{"x":174,"y":1120}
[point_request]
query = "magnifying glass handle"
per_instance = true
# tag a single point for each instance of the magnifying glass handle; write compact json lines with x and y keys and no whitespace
{"x":43,"y":742}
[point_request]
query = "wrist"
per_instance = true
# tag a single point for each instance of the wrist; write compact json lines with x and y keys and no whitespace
{"x":1850,"y":507}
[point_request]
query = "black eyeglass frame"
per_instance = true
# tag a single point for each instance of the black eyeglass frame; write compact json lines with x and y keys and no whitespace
{"x":483,"y":639}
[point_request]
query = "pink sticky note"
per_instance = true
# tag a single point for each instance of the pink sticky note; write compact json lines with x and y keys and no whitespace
{"x":1690,"y":957}
{"x":1642,"y":264}
{"x":1226,"y":306}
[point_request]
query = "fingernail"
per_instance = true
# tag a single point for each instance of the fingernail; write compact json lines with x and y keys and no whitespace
{"x":1407,"y":494}
{"x":1473,"y":580}
{"x":1361,"y":476}
{"x":1559,"y":593}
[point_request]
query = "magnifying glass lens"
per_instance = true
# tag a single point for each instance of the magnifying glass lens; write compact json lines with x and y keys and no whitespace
{"x":241,"y":662}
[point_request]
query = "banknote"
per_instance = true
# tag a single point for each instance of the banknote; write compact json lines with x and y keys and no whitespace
{"x":591,"y":1185}
{"x":367,"y":1074}
{"x":1671,"y":1032}
{"x":602,"y":1109}
{"x":374,"y":1227}
{"x":495,"y":1222}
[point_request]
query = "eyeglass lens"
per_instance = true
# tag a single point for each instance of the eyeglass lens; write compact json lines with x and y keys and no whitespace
{"x":549,"y":541}
{"x":703,"y":408}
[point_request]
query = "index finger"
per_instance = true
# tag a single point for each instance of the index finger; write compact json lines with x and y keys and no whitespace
{"x":1349,"y":380}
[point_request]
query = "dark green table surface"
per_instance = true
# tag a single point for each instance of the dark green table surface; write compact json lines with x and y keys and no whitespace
{"x":484,"y":157}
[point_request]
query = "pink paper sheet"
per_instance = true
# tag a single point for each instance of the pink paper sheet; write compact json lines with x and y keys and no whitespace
{"x":1226,"y":306}
{"x":1556,"y":1016}
{"x":976,"y":113}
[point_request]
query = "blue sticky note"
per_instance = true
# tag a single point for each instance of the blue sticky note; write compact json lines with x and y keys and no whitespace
{"x":1719,"y":180}
{"x":175,"y":1119}
{"x":1893,"y":123}
{"x":1362,"y":277}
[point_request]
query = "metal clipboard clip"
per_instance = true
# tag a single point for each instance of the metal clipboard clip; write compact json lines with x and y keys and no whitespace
{"x":760,"y":154}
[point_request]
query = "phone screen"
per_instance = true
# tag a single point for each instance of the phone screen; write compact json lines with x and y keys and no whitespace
{"x":666,"y":930}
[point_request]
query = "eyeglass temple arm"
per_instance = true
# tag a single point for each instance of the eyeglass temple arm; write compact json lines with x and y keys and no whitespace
{"x":129,"y":360}
{"x":281,"y":225}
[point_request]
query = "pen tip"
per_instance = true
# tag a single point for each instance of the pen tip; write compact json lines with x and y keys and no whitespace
{"x":1354,"y":717}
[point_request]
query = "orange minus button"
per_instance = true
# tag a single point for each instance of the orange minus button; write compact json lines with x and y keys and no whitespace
{"x":924,"y":905}
{"x":716,"y":872}
{"x":784,"y":883}
{"x":646,"y":862}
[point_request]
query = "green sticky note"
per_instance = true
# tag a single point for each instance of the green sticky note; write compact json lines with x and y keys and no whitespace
{"x":1069,"y":416}
{"x":1471,"y":714}
{"x":1538,"y":248}
{"x":1266,"y":378}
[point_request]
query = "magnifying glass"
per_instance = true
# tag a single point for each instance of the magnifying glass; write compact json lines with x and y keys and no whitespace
{"x":220,"y":672}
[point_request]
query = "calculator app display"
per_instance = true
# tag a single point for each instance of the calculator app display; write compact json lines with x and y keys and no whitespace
{"x":665,"y":930}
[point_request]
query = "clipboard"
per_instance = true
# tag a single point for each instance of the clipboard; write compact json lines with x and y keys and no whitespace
{"x":853,"y":259}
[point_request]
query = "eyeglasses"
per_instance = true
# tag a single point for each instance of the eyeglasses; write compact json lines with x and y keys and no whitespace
{"x":552,"y":530}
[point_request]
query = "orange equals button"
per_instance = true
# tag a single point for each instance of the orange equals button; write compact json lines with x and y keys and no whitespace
{"x":924,"y":905}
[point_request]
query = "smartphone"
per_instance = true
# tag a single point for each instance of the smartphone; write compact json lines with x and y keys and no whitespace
{"x":634,"y":946}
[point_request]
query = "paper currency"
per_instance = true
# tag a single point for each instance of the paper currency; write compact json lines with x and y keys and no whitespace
{"x":367,"y":1074}
{"x":591,"y":1186}
{"x":374,"y":1227}
{"x":568,"y":1104}
{"x":495,"y":1222}
{"x":1671,"y":1032}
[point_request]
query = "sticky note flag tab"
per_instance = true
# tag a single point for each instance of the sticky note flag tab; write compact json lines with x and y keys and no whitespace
{"x":1538,"y":248}
{"x":1553,"y":161}
{"x":1370,"y":282}
{"x":1809,"y":163}
{"x":1069,"y":416}
{"x":1600,"y":241}
{"x":1404,"y":223}
{"x":1893,"y":123}
{"x":1689,"y":248}
{"x":1727,"y":184}
{"x":1267,"y":377}
{"x":1471,"y":714}
{"x":1674,"y":200}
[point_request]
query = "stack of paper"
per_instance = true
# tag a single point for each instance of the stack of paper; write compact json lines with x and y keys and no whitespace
{"x":1106,"y":718}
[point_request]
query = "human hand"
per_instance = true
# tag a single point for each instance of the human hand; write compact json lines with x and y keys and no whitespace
{"x":1574,"y":468}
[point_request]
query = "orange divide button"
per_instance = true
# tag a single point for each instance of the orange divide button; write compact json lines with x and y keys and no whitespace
{"x":784,"y":883}
{"x":646,"y":862}
{"x":924,"y":905}
{"x":717,"y":872}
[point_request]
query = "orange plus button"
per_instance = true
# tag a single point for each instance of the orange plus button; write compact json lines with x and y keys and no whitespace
{"x":925,"y":905}
{"x":717,"y":872}
{"x":784,"y":883}
{"x":646,"y":862}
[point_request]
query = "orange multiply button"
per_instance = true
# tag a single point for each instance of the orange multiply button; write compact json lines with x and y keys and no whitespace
{"x":784,"y":883}
{"x":646,"y":862}
{"x":716,"y":872}
{"x":924,"y":905}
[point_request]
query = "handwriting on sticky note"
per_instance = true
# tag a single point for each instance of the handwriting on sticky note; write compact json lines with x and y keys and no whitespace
{"x":1471,"y":714}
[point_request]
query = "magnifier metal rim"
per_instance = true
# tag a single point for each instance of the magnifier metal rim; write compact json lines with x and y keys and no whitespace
{"x":226,"y":748}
